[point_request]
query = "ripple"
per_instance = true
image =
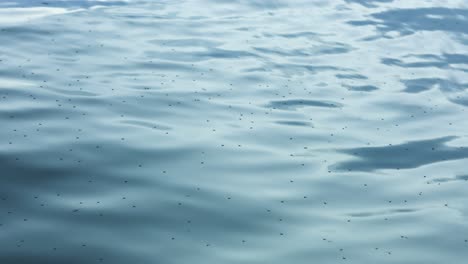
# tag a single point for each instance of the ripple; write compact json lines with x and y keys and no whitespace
{"x":298,"y":103}
{"x":457,"y":178}
{"x":389,"y":212}
{"x":146,"y":124}
{"x":295,"y":123}
{"x":408,"y":155}
{"x":410,"y":21}
{"x":363,"y":88}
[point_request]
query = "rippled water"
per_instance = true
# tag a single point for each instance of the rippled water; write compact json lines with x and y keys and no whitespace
{"x":247,"y":131}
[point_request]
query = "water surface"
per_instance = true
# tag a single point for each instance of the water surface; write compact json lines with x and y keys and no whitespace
{"x":208,"y":131}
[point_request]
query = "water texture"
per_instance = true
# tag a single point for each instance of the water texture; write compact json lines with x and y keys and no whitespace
{"x":240,"y":131}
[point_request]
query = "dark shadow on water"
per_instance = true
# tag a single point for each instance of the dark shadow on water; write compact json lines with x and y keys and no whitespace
{"x":362,"y":88}
{"x":419,"y":85}
{"x":420,"y":64}
{"x":388,"y":212}
{"x":351,"y":76}
{"x":444,"y":61}
{"x":208,"y":54}
{"x":294,"y":123}
{"x":297,"y":103}
{"x":408,"y":155}
{"x":451,"y":88}
{"x":457,"y":178}
{"x":424,"y":84}
{"x":409,"y":21}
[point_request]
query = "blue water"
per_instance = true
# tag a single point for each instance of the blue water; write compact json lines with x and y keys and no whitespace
{"x":243,"y":131}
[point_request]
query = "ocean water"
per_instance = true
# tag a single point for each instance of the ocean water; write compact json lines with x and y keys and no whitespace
{"x":240,"y":131}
